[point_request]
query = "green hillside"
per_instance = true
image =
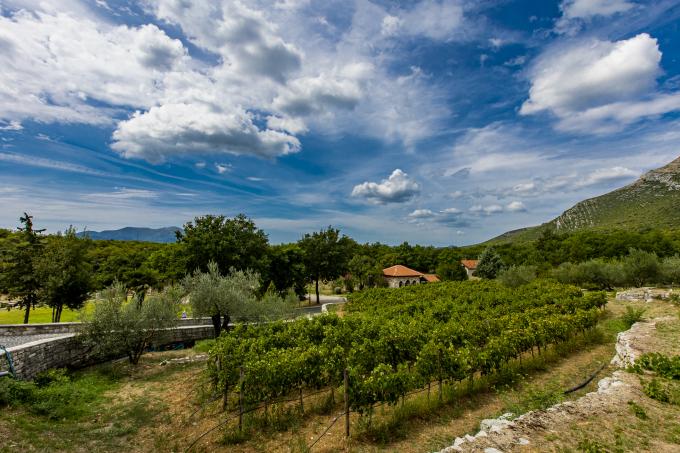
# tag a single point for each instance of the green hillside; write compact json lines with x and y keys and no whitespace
{"x":653,"y":201}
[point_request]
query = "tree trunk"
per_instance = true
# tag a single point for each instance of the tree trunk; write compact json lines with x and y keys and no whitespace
{"x":54,"y":314}
{"x":225,"y":323}
{"x":317,"y":291}
{"x":216,"y":324}
{"x":28,"y":311}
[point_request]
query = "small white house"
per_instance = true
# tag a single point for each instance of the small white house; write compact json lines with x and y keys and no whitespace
{"x":470,"y":266}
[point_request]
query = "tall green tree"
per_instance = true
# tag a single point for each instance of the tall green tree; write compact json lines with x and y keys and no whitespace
{"x":490,"y":263}
{"x":19,"y":268}
{"x":286,"y":269}
{"x":236,"y":243}
{"x":64,"y":272}
{"x":361,"y":267}
{"x":326,"y":254}
{"x":451,"y":271}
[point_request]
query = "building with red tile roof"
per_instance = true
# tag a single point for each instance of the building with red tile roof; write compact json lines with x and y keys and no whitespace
{"x":470,"y":266}
{"x":398,"y":276}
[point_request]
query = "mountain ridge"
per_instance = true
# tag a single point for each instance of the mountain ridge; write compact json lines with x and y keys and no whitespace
{"x":652,"y":201}
{"x":143,"y":234}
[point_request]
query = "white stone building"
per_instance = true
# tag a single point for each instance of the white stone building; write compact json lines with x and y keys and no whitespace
{"x":398,"y":276}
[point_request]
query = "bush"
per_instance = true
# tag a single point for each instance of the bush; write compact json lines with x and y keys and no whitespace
{"x":667,"y":367}
{"x":632,"y":315}
{"x":53,"y":394}
{"x":13,"y":392}
{"x":517,"y":275}
{"x":48,"y":377}
{"x":657,"y":391}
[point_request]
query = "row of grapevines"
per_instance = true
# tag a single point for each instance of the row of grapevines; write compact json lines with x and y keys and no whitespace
{"x":396,"y":340}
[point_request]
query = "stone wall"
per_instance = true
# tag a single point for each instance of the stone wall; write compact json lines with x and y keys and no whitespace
{"x":18,"y":330}
{"x":69,"y":351}
{"x":398,"y":282}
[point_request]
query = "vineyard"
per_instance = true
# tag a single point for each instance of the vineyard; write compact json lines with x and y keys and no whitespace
{"x":395,"y":341}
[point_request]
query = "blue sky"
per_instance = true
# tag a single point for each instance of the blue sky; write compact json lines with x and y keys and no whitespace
{"x":442,"y":122}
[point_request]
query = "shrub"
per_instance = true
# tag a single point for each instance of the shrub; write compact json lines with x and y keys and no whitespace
{"x":667,"y":367}
{"x":632,"y":315}
{"x":48,"y":377}
{"x":638,"y":410}
{"x":515,"y":276}
{"x":656,"y":391}
{"x":53,"y":394}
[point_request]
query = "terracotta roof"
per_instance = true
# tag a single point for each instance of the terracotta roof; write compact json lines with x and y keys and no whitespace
{"x":470,"y":264}
{"x":401,"y":271}
{"x":432,"y":278}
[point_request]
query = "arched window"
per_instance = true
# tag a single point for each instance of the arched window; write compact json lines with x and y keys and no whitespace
{"x":400,"y":283}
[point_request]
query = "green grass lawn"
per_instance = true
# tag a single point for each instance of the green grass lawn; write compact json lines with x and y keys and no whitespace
{"x":38,"y":315}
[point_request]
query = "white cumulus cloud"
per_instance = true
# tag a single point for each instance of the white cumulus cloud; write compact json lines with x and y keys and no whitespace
{"x":55,"y":64}
{"x":173,"y":129}
{"x":421,"y":214}
{"x":599,"y":86}
{"x":398,"y":188}
{"x":516,"y":206}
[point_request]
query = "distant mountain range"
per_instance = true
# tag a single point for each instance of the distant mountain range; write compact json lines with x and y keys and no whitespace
{"x":166,"y":234}
{"x":653,"y":201}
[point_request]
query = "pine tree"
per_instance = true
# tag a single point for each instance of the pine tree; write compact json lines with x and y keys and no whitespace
{"x":19,"y":273}
{"x":490,"y":264}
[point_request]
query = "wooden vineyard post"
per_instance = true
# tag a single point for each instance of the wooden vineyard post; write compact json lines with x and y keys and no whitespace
{"x":346,"y":378}
{"x":240,"y":400}
{"x":440,"y":377}
{"x":302,"y":407}
{"x":225,"y":396}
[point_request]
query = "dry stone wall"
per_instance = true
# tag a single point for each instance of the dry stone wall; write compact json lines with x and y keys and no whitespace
{"x":68,"y":350}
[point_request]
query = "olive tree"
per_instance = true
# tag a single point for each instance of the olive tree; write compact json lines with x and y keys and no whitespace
{"x":223,"y":297}
{"x":515,"y":276}
{"x":641,"y":267}
{"x":670,"y":270}
{"x":117,"y":326}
